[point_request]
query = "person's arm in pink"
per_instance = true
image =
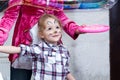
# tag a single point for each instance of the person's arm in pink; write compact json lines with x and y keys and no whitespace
{"x":7,"y":21}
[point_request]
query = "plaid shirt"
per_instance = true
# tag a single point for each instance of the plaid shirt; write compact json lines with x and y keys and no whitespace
{"x":50,"y":62}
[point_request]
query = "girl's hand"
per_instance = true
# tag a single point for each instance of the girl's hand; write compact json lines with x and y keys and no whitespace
{"x":70,"y":77}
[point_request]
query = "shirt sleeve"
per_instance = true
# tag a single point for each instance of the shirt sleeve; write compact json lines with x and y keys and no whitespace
{"x":31,"y":50}
{"x":7,"y":22}
{"x":67,"y":63}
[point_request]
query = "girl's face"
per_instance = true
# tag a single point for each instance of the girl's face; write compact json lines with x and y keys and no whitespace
{"x":52,"y":32}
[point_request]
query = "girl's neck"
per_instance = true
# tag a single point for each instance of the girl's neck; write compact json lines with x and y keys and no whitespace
{"x":56,"y":43}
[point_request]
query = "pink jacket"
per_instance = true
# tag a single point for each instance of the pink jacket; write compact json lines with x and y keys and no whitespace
{"x":26,"y":14}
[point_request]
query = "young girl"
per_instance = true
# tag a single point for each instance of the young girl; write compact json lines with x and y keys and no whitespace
{"x":50,"y":59}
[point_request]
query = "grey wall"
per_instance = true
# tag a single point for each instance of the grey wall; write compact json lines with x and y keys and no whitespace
{"x":90,"y":52}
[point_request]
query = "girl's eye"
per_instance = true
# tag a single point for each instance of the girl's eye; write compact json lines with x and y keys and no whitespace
{"x":49,"y":28}
{"x":57,"y":27}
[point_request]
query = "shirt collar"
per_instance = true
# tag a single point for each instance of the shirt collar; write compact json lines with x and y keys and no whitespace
{"x":52,"y":45}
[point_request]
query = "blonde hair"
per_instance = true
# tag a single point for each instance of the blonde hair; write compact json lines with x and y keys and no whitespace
{"x":41,"y":22}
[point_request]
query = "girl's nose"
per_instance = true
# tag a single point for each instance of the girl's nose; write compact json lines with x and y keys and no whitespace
{"x":55,"y":31}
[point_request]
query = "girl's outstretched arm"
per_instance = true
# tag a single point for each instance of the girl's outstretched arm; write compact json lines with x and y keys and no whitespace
{"x":10,"y":49}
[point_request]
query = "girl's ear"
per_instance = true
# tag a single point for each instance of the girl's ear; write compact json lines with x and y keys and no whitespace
{"x":40,"y":34}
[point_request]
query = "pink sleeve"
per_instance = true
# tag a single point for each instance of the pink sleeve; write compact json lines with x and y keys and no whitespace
{"x":7,"y":22}
{"x":69,"y":26}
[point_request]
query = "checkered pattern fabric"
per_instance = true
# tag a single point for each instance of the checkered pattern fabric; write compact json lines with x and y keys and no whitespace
{"x":50,"y":62}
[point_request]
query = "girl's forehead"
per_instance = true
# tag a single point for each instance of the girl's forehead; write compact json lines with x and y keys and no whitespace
{"x":51,"y":21}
